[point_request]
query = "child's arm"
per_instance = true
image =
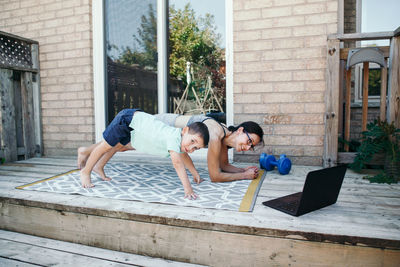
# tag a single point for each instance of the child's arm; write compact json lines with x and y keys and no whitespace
{"x":187,"y":160}
{"x":181,"y":171}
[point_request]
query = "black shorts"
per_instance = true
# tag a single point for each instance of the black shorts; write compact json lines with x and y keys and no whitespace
{"x":118,"y":131}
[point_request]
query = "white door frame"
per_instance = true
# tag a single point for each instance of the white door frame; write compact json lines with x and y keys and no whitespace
{"x":98,"y":69}
{"x":99,"y":63}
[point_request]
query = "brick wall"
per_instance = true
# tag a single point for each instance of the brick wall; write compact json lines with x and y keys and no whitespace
{"x":350,"y":16}
{"x":279,"y":73}
{"x":63,"y":29}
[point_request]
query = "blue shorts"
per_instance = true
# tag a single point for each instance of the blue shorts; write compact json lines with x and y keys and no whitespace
{"x":118,"y":131}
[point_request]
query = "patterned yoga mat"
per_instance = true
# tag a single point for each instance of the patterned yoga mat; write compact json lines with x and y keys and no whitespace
{"x":158,"y":184}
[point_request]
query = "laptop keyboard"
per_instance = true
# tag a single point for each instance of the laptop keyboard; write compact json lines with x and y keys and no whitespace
{"x":289,"y":206}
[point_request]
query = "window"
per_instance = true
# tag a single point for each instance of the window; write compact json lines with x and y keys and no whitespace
{"x":374,"y":16}
{"x":377,"y":16}
{"x":374,"y":83}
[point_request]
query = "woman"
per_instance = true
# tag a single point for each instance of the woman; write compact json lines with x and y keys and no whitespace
{"x":242,"y":138}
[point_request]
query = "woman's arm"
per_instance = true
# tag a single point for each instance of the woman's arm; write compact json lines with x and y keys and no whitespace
{"x":217,"y":155}
{"x":224,"y":161}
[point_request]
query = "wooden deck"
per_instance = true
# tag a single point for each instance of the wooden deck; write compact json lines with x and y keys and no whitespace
{"x":361,"y":229}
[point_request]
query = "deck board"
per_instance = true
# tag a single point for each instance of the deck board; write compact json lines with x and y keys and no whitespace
{"x":366,"y":214}
{"x":25,"y":250}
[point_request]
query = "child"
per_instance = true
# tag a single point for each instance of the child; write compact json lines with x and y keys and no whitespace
{"x":138,"y":130}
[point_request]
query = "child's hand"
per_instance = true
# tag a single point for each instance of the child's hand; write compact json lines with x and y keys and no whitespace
{"x":250,"y":173}
{"x":189,"y":194}
{"x":197,"y":179}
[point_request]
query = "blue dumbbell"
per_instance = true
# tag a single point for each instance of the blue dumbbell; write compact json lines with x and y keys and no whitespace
{"x":268,"y":162}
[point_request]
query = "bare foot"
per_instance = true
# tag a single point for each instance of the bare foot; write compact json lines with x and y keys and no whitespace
{"x":100,"y":171}
{"x":86,"y":182}
{"x":82,"y":157}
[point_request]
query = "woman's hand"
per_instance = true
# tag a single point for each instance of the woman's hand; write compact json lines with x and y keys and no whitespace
{"x":251,"y":173}
{"x":250,"y":167}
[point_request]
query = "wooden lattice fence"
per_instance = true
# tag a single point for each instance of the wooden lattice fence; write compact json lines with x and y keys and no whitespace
{"x":20,"y":129}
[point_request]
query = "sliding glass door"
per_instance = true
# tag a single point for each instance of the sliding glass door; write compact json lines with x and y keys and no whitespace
{"x":190,"y":51}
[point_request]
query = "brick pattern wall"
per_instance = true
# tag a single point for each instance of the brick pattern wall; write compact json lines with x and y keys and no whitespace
{"x":63,"y":29}
{"x":356,"y":121}
{"x":350,"y":16}
{"x":279,"y":73}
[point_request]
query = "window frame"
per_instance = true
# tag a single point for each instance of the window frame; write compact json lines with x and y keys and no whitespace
{"x":358,"y":84}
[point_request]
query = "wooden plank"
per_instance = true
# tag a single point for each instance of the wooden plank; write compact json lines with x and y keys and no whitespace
{"x":19,"y":37}
{"x":28,"y":114}
{"x":16,"y":174}
{"x":9,"y":263}
{"x":37,"y":255}
{"x":45,"y":170}
{"x":365,"y":96}
{"x":362,"y":36}
{"x":332,"y":104}
{"x":9,"y":141}
{"x":7,"y":179}
{"x":70,"y":161}
{"x":347,"y":109}
{"x":36,"y":94}
{"x":67,"y":249}
{"x":2,"y":66}
{"x":382,"y":108}
{"x":341,"y":97}
{"x":19,"y":128}
{"x":393,"y":109}
{"x":397,"y":32}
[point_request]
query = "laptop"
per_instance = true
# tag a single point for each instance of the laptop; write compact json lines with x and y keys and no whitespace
{"x":320,"y":190}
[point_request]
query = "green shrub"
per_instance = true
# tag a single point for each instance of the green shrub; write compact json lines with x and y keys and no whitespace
{"x":380,"y":137}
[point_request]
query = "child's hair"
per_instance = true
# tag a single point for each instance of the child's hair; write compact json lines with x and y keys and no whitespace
{"x":250,"y":127}
{"x":200,"y":129}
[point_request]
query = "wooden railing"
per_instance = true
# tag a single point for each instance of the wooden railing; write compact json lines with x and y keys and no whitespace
{"x":339,"y":104}
{"x":130,"y":87}
{"x":133,"y":87}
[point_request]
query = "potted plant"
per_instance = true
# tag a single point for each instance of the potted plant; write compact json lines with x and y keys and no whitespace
{"x":380,"y":137}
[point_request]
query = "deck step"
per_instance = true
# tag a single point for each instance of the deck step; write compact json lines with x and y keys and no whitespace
{"x":26,"y":250}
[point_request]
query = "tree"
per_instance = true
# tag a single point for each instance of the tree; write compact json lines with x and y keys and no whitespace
{"x":145,"y":54}
{"x":191,"y":38}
